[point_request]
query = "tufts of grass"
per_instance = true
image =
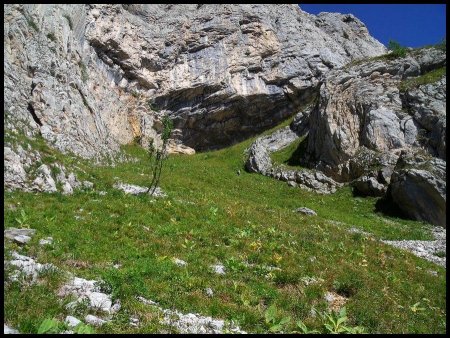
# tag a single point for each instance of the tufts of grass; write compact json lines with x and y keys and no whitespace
{"x":429,"y":77}
{"x":84,"y":75}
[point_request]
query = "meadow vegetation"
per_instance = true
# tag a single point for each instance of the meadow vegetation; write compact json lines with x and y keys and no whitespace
{"x":247,"y":223}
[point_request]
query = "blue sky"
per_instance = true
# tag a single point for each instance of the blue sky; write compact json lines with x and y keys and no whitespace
{"x":412,"y":25}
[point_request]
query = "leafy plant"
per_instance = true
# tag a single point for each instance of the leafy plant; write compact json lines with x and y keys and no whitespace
{"x":273,"y":320}
{"x":397,"y":49}
{"x":50,"y":326}
{"x":335,"y":323}
{"x":82,"y":328}
{"x":304,"y":329}
{"x":234,"y":264}
{"x":156,"y":160}
{"x":23,"y":219}
{"x":188,"y":244}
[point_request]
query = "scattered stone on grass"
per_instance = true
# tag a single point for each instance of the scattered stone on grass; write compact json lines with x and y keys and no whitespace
{"x":137,"y":190}
{"x":192,"y":322}
{"x":335,"y":301}
{"x":87,"y":290}
{"x":219,"y":269}
{"x":9,"y":330}
{"x":134,"y":321}
{"x":209,"y":292}
{"x":433,"y":251}
{"x":72,"y":321}
{"x":20,"y":236}
{"x":27,"y":266}
{"x":359,"y":231}
{"x":94,"y":320}
{"x":46,"y":241}
{"x":146,"y":301}
{"x":306,"y":211}
{"x":292,"y":184}
{"x":311,"y":280}
{"x":179,"y":262}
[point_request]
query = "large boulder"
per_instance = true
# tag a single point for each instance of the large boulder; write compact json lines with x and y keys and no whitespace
{"x":418,"y":188}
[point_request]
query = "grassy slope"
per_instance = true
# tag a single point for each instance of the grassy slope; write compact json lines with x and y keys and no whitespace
{"x":214,"y":215}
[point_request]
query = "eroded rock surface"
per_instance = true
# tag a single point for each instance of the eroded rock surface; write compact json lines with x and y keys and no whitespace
{"x":91,"y":77}
{"x":362,"y":115}
{"x":418,"y":187}
{"x":24,"y":170}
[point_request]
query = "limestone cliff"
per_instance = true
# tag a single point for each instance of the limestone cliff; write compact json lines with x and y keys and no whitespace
{"x":91,"y":77}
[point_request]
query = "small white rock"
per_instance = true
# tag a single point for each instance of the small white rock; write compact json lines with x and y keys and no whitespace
{"x":219,"y":269}
{"x":72,"y":321}
{"x":93,"y":320}
{"x":329,"y":297}
{"x":116,"y":307}
{"x":45,"y":241}
{"x":209,"y":292}
{"x":22,"y":239}
{"x":146,"y":301}
{"x":179,"y":262}
{"x":100,"y":300}
{"x":8,"y":330}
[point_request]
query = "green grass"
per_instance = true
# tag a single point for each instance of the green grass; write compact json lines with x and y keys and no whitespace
{"x":84,"y":76}
{"x":289,"y":157}
{"x":213,"y":215}
{"x":395,"y":55}
{"x":430,"y":77}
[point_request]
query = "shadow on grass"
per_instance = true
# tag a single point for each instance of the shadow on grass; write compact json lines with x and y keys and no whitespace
{"x":387,"y":207}
{"x":297,"y":155}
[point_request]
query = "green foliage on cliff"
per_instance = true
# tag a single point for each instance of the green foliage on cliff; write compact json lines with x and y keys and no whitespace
{"x":396,"y":49}
{"x":429,"y":77}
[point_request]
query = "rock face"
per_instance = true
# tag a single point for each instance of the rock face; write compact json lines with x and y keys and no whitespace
{"x":24,"y":170}
{"x":91,"y":77}
{"x":363,"y":116}
{"x":368,"y":113}
{"x":418,"y":188}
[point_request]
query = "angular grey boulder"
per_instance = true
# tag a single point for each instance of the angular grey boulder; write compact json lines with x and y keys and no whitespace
{"x":306,"y":211}
{"x":419,"y":190}
{"x":369,"y":186}
{"x":20,"y":236}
